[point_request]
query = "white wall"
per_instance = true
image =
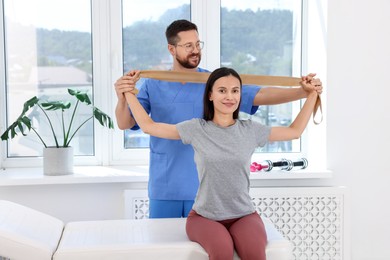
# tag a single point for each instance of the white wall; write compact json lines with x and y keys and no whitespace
{"x":358,"y":114}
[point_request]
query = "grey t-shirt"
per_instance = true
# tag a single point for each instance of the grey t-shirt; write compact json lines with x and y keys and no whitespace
{"x":223,"y":157}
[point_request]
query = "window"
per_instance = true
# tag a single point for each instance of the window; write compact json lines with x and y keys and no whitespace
{"x":269,"y":44}
{"x":268,"y":41}
{"x":46,"y":53}
{"x":144,"y":43}
{"x":270,"y":35}
{"x":93,"y":42}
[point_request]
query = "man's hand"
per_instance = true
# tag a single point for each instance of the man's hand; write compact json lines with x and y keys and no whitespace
{"x":127,"y":83}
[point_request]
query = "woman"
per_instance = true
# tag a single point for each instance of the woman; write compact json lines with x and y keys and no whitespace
{"x":223,"y":217}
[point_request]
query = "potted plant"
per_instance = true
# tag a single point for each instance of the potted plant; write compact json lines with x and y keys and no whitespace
{"x":63,"y":164}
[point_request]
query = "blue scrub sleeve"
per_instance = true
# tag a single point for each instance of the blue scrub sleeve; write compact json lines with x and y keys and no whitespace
{"x":248,"y":96}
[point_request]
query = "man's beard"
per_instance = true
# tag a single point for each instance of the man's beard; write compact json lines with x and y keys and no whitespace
{"x":185,"y":62}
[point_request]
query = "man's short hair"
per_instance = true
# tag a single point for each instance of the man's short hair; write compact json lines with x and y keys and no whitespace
{"x":176,"y":27}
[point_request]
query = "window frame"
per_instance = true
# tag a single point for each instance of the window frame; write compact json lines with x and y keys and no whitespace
{"x":203,"y":11}
{"x":107,"y":68}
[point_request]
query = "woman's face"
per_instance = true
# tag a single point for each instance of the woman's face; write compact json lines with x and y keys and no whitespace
{"x":226,"y":95}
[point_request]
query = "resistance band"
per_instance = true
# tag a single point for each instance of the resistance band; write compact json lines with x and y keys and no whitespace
{"x":247,"y":79}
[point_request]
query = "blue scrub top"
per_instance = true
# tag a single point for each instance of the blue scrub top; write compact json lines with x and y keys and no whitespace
{"x":172,"y":172}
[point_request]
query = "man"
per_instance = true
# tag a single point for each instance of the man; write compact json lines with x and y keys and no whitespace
{"x":173,"y":178}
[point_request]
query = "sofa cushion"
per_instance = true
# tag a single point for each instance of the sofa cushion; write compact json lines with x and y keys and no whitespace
{"x":26,"y":233}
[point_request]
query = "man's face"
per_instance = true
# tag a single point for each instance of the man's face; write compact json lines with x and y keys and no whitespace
{"x":188,"y":51}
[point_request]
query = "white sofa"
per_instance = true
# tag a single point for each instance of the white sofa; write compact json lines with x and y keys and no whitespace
{"x":27,"y":234}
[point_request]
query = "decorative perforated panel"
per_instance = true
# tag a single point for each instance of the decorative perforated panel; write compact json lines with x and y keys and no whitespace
{"x":141,"y":208}
{"x":311,"y":218}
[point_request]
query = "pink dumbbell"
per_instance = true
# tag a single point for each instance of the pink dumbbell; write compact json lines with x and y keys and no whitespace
{"x":255,"y":167}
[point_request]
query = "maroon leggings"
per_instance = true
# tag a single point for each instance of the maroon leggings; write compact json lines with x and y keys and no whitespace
{"x":219,"y":238}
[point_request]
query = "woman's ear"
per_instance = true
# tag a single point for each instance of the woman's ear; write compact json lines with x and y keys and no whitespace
{"x":210,"y":95}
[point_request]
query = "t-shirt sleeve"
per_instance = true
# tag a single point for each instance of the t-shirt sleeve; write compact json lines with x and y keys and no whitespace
{"x":261,"y":133}
{"x":248,"y":95}
{"x":187,"y":129}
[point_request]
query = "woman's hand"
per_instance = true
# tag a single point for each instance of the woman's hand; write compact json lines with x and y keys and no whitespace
{"x":309,"y":84}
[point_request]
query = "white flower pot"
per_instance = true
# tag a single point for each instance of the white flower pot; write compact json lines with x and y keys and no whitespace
{"x":57,"y":161}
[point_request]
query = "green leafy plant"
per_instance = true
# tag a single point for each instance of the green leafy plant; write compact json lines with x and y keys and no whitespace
{"x":24,"y":122}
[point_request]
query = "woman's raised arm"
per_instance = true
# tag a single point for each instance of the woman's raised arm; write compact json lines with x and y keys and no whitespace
{"x":148,"y":126}
{"x":295,"y":130}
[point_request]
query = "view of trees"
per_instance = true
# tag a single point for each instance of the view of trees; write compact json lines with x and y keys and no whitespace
{"x":258,"y":44}
{"x":63,"y":48}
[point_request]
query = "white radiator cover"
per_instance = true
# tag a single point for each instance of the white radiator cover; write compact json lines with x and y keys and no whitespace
{"x":313,"y":219}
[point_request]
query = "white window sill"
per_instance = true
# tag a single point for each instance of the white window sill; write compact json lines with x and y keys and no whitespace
{"x":125,"y":174}
{"x":82,"y":174}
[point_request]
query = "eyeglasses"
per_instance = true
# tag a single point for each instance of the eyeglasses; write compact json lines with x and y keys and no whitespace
{"x":190,"y":47}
